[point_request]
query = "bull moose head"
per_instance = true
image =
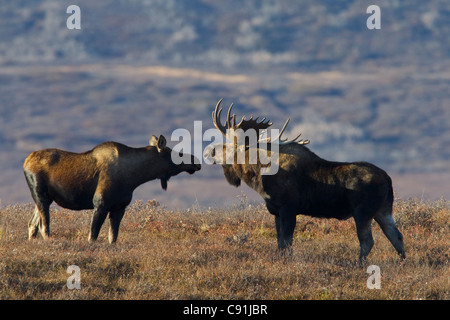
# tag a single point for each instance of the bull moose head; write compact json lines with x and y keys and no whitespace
{"x":247,"y":143}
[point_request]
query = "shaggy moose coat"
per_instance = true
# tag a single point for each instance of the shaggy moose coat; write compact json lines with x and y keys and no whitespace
{"x":309,"y":185}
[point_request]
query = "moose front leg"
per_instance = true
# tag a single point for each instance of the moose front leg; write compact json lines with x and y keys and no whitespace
{"x":285,"y":223}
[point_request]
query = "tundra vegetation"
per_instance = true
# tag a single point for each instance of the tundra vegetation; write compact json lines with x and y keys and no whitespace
{"x":222,"y":253}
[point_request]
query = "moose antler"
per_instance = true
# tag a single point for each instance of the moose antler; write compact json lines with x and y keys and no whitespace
{"x":230,"y":122}
{"x":251,"y":123}
{"x":286,"y":141}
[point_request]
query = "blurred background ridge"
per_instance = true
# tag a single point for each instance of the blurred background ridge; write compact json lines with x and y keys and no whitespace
{"x":138,"y":68}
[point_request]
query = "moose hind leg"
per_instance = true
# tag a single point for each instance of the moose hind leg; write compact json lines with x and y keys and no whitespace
{"x":387,"y":224}
{"x":114,"y":218}
{"x":33,"y":224}
{"x":40,"y":221}
{"x":44,"y":225}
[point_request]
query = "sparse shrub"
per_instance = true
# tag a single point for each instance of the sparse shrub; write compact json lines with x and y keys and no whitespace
{"x":415,"y":212}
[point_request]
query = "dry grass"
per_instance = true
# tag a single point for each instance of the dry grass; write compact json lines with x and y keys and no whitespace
{"x":226,"y":253}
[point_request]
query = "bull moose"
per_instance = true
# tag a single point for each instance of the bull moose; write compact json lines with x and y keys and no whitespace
{"x":307,"y":184}
{"x":102,"y":179}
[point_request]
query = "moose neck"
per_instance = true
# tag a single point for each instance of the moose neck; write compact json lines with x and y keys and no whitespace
{"x":251,"y":175}
{"x":143,"y":165}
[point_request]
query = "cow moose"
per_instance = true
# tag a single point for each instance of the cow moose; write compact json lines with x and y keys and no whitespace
{"x":102,"y":179}
{"x":307,"y":184}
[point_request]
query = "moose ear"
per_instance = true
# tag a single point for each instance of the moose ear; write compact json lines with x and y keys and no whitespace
{"x":161,"y":143}
{"x":153,"y":141}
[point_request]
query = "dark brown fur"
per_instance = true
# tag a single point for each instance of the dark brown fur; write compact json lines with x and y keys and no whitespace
{"x":306,"y":184}
{"x":102,"y":179}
